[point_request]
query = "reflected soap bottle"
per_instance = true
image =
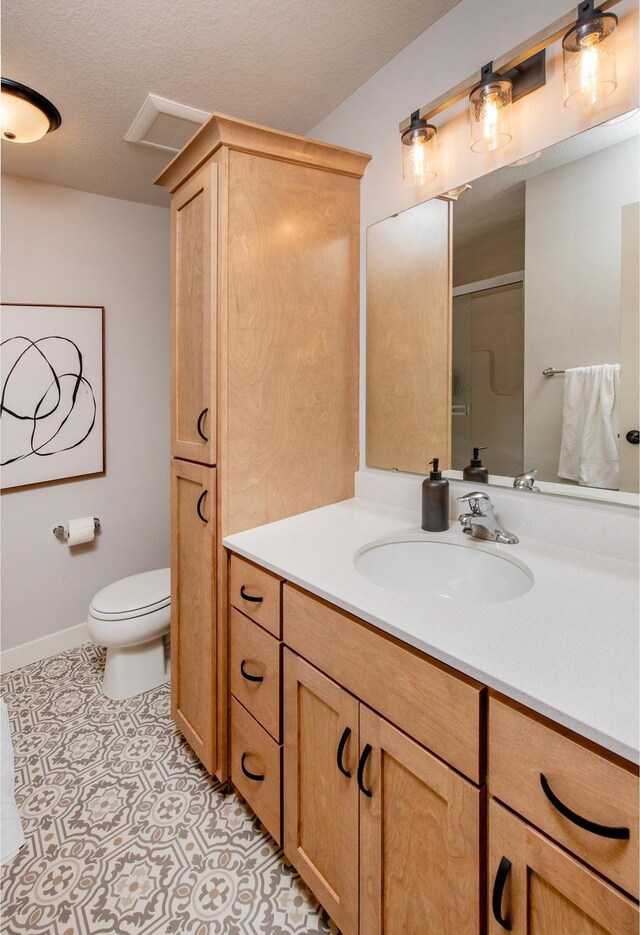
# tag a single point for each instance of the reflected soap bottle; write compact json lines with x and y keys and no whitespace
{"x":475,"y":470}
{"x":435,"y":500}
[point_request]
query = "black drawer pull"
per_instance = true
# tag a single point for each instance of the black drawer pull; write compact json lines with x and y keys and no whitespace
{"x":199,"y":425}
{"x":498,"y":892}
{"x":247,"y":597}
{"x":346,"y":733}
{"x":249,"y":678}
{"x":361,"y":765}
{"x":633,"y":437}
{"x":199,"y":504}
{"x":621,"y":834}
{"x":253,"y":776}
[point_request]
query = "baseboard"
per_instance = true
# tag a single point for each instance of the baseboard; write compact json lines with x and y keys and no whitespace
{"x":46,"y":646}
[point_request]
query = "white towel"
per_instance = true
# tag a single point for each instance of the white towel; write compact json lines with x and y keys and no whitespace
{"x":12,"y":838}
{"x":589,"y":453}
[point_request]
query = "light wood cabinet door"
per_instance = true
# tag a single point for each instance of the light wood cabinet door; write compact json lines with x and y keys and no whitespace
{"x":537,"y":888}
{"x":193,"y":303}
{"x":193,"y":497}
{"x":320,"y":799}
{"x":419,"y":839}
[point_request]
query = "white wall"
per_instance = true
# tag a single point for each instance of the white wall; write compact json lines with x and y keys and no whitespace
{"x":67,"y":247}
{"x":572,"y":284}
{"x":470,"y":35}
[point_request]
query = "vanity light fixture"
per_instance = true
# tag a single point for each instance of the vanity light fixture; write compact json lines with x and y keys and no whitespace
{"x":589,"y":57}
{"x":490,"y":111}
{"x":418,"y":151}
{"x":589,"y":69}
{"x":26,"y":115}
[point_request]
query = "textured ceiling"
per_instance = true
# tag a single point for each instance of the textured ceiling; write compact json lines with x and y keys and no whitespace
{"x":284,"y":63}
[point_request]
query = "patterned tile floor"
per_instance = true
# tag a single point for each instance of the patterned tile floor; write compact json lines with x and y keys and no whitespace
{"x":126,"y":832}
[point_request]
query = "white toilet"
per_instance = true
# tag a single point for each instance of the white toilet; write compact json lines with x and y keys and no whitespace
{"x":131,"y":618}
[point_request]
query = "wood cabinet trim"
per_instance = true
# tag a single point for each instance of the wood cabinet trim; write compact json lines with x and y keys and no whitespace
{"x":222,"y":130}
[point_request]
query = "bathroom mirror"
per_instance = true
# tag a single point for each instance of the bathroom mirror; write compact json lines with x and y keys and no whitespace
{"x":505,"y":316}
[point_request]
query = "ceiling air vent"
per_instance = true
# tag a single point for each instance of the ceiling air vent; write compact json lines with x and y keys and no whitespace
{"x":165,"y":124}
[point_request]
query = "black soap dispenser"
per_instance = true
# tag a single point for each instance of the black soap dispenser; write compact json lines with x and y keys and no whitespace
{"x":435,"y":500}
{"x":474,"y":470}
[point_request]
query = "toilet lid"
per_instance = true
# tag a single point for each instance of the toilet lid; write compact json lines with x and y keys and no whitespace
{"x":139,"y":594}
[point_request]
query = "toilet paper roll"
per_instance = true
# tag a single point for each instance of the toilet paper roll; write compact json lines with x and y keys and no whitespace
{"x":81,"y":530}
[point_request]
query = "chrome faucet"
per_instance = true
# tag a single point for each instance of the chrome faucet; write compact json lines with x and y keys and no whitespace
{"x":526,"y":481}
{"x":481,"y":522}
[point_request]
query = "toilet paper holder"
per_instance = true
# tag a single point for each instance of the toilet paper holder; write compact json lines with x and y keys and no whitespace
{"x":61,"y":533}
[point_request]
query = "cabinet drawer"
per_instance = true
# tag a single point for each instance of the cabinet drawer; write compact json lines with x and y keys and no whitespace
{"x":256,"y":593}
{"x":255,"y":654}
{"x":255,"y":754}
{"x":522,"y":751}
{"x":440,"y":710}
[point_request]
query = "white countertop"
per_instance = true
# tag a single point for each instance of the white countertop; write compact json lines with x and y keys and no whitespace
{"x":568,"y":648}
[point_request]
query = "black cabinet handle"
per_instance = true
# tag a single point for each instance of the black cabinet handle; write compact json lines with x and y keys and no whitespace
{"x":361,"y":765}
{"x":253,"y":776}
{"x":247,"y":597}
{"x":621,"y":834}
{"x":633,"y":437}
{"x":249,"y":678}
{"x":346,"y":733}
{"x":498,"y":892}
{"x":199,"y":425}
{"x":199,"y":504}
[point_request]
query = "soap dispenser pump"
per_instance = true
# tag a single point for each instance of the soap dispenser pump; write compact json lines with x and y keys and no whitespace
{"x":475,"y":470}
{"x":435,"y":500}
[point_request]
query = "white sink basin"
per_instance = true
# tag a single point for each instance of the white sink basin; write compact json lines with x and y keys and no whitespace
{"x":475,"y":573}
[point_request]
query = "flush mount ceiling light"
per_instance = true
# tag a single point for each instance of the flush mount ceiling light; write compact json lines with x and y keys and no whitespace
{"x":418,"y":151}
{"x":589,"y":57}
{"x":26,"y":115}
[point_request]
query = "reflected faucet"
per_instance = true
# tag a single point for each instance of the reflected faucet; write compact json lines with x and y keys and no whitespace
{"x":481,"y":522}
{"x":526,"y":481}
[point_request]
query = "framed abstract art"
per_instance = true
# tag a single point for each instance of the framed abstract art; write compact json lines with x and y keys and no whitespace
{"x":51,"y":393}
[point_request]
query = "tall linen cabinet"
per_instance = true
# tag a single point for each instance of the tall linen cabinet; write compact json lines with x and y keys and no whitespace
{"x":265,"y":254}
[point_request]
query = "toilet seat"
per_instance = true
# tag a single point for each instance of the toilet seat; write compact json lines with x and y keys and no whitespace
{"x":132,"y":597}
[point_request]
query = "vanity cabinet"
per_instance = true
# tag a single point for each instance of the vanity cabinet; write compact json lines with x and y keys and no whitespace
{"x":265,"y":295}
{"x":535,"y":886}
{"x":386,"y":834}
{"x":414,"y":799}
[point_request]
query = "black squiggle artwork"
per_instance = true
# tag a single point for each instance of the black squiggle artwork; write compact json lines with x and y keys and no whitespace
{"x":48,"y":394}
